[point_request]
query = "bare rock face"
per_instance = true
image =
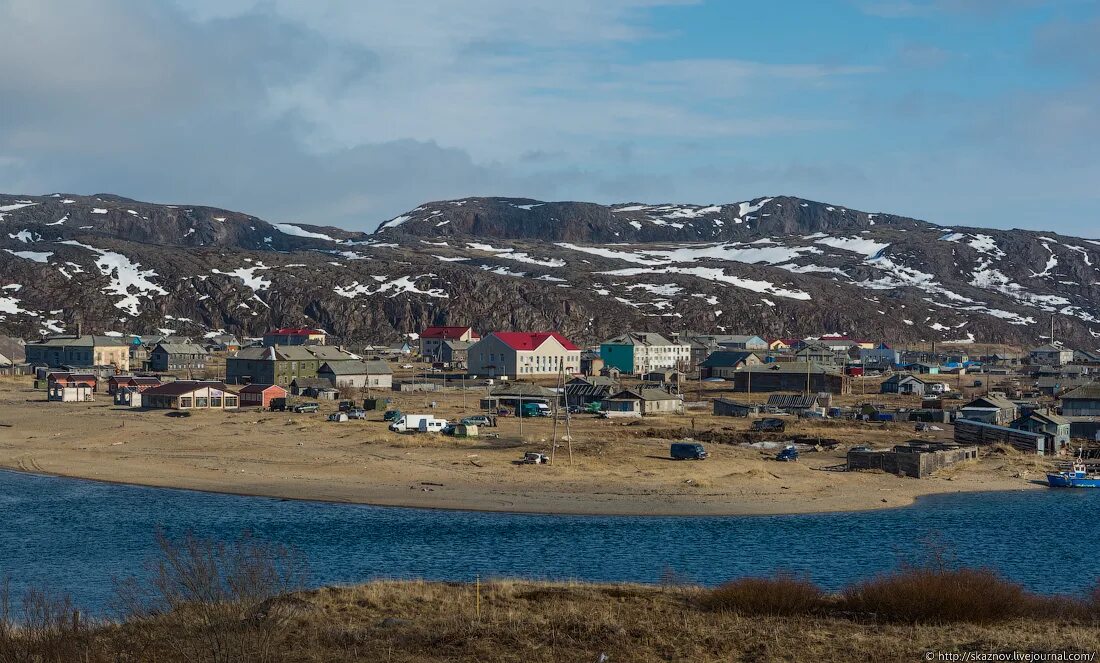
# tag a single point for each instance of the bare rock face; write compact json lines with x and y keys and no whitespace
{"x":778,"y":266}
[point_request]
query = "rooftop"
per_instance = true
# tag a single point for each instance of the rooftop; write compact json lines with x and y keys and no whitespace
{"x":533,"y":340}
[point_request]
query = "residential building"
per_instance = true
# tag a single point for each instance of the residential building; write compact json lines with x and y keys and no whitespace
{"x":80,"y":352}
{"x":70,"y":391}
{"x":990,"y":409}
{"x":1082,"y":401}
{"x":222,"y":343}
{"x":136,"y":382}
{"x":724,"y":407}
{"x":640,"y":402}
{"x":260,"y":395}
{"x":190,"y":395}
{"x":639,"y":352}
{"x":903,"y":384}
{"x":177,"y":357}
{"x":795,"y":376}
{"x":816,"y":353}
{"x":432,"y":339}
{"x":591,"y":362}
{"x":453,"y":353}
{"x":589,"y":389}
{"x":1056,"y":427}
{"x":1050,"y":355}
{"x":12,"y":351}
{"x":373,"y":374}
{"x":523,"y":354}
{"x":301,"y":386}
{"x":280,"y":364}
{"x":725,"y":363}
{"x":741,"y":342}
{"x":296,"y":336}
{"x":71,"y":379}
{"x":793,"y":403}
{"x":879,"y":357}
{"x":780,"y":344}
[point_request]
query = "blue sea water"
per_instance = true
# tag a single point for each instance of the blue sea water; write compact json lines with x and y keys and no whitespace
{"x":76,"y":536}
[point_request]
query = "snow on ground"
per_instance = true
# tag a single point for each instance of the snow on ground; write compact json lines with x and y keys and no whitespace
{"x":503,"y":271}
{"x":391,"y":288}
{"x":10,"y":305}
{"x":718,"y":275}
{"x":36,"y":256}
{"x":977,"y":241}
{"x":744,"y":209}
{"x":15,"y":206}
{"x":288,"y":229}
{"x":1052,"y":262}
{"x":248,"y":276}
{"x":60,"y":221}
{"x":128,"y":280}
{"x":396,"y":221}
{"x":867,"y":247}
{"x":99,"y":210}
{"x":25,"y":236}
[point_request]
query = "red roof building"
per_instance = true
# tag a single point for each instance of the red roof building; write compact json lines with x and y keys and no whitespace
{"x":523,"y":354}
{"x":433,"y":338}
{"x":260,"y":395}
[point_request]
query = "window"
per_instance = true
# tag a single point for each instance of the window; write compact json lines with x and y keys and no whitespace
{"x":201,"y":401}
{"x":231,"y":401}
{"x":215,"y":401}
{"x":185,"y":401}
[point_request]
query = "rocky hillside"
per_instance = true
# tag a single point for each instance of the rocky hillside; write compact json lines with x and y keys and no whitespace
{"x":773,"y":266}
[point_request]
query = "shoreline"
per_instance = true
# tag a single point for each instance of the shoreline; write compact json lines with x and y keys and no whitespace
{"x":272,"y":495}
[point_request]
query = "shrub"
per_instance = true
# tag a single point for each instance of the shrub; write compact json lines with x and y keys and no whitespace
{"x":43,"y":628}
{"x":939,"y":595}
{"x":779,"y":595}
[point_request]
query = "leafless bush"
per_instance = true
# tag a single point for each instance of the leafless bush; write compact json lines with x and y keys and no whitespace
{"x":781,"y":595}
{"x":45,"y":628}
{"x":228,"y":602}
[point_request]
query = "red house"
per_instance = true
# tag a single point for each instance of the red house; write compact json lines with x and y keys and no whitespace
{"x":71,"y":379}
{"x":116,"y":382}
{"x":260,"y":395}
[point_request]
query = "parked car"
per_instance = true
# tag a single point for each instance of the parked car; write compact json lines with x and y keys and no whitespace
{"x":575,"y":409}
{"x":449,"y":429}
{"x":391,"y":415}
{"x":302,"y":408}
{"x":535,"y":458}
{"x":346,"y":405}
{"x":479,"y":420}
{"x":687,"y":451}
{"x":769,"y":425}
{"x":357,"y":413}
{"x":787,"y":455}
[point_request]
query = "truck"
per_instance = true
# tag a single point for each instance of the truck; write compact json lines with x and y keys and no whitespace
{"x":535,"y":410}
{"x":424,"y":423}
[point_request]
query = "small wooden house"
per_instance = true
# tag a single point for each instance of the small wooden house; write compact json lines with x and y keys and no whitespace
{"x":260,"y":395}
{"x":71,"y":392}
{"x":639,"y":402}
{"x":190,"y":395}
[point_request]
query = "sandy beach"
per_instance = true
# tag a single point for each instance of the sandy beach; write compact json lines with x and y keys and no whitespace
{"x":618,"y":467}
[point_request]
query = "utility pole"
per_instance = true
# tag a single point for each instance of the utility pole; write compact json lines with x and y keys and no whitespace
{"x":554,"y":434}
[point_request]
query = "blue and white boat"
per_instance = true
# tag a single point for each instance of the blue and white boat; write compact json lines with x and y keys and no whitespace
{"x":1078,"y":477}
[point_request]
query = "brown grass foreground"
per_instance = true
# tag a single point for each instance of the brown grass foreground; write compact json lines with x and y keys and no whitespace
{"x":781,"y":619}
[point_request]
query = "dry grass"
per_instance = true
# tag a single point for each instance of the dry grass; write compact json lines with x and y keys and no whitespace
{"x":401,"y":622}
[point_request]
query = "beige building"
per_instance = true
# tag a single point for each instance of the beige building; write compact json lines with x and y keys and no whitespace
{"x":523,"y":355}
{"x":80,"y":351}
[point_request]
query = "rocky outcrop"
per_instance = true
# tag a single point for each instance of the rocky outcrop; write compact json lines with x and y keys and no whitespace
{"x":777,"y":266}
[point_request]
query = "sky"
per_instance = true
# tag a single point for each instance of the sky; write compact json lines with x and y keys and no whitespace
{"x":349,"y":112}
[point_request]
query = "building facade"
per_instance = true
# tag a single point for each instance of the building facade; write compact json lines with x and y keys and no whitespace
{"x":432,"y":339}
{"x":640,"y":352}
{"x":523,"y":354}
{"x":80,"y":351}
{"x":296,"y":336}
{"x":177,"y":357}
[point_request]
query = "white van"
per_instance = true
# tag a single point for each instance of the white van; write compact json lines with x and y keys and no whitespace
{"x":418,"y":422}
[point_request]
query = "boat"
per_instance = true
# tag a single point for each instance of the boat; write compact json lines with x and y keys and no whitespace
{"x":1078,"y":477}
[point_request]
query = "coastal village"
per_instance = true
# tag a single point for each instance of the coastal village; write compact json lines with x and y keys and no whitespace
{"x":833,"y":402}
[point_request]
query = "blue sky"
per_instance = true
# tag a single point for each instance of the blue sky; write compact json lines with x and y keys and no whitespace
{"x":962,"y":112}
